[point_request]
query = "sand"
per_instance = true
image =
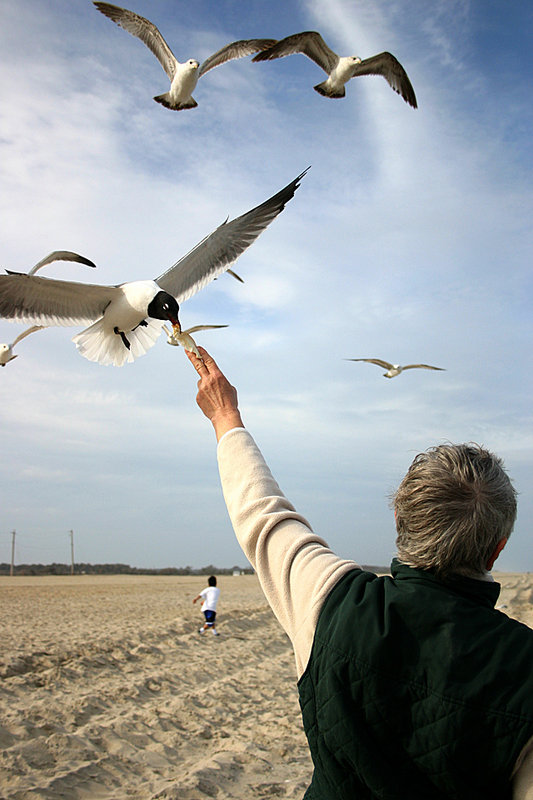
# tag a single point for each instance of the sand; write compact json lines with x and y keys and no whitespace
{"x":108,"y":691}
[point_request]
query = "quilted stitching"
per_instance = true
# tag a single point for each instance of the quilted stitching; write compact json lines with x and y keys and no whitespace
{"x":407,"y":738}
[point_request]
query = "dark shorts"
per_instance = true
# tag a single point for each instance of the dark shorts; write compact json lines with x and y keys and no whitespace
{"x":210,"y":617}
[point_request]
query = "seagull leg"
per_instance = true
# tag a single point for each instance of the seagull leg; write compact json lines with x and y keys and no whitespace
{"x":142,"y":322}
{"x":123,"y":337}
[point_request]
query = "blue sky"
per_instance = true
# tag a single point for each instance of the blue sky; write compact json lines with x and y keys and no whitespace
{"x":409,"y":239}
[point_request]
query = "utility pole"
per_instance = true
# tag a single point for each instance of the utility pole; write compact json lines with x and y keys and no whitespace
{"x":72,"y":552}
{"x":12,"y":570}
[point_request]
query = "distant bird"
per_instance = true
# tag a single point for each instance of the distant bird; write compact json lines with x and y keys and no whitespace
{"x":183,"y":77}
{"x":128,"y":318}
{"x":6,"y":350}
{"x":340,"y":69}
{"x":394,"y":369}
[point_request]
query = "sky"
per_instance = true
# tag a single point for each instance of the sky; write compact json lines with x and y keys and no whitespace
{"x":409,"y":239}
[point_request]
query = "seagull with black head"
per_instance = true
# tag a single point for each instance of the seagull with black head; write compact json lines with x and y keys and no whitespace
{"x":128,"y":318}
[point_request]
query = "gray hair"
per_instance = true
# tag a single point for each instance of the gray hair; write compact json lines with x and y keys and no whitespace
{"x":453,"y":506}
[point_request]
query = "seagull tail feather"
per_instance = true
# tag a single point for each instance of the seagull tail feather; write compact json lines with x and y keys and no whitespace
{"x":166,"y":101}
{"x":97,"y":343}
{"x":326,"y":91}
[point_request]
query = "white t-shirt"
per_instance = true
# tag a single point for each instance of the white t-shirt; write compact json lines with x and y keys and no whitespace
{"x":210,"y":598}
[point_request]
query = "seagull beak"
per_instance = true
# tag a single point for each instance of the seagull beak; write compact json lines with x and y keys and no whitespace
{"x":176,"y":326}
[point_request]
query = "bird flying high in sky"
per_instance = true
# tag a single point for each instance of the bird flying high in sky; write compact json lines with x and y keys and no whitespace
{"x":183,"y":76}
{"x":340,"y":69}
{"x":394,"y":369}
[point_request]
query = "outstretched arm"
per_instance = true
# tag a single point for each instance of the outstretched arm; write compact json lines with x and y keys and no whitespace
{"x":295,"y":567}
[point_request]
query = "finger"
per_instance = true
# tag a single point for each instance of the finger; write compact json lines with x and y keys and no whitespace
{"x":208,"y":362}
{"x":198,"y":363}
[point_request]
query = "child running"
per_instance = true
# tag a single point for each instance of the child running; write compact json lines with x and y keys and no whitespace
{"x":209,"y":597}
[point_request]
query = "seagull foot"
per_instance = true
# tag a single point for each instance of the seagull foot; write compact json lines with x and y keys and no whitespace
{"x":123,"y":337}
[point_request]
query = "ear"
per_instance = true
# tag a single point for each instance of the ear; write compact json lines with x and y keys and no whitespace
{"x":499,"y":547}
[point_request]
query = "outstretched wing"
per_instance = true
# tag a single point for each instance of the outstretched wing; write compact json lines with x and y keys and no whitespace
{"x":60,"y":255}
{"x":144,"y":30}
{"x":423,"y":366}
{"x":244,"y":47}
{"x":46,"y":301}
{"x":378,"y":361}
{"x":27,"y":332}
{"x":214,"y":254}
{"x":310,"y":43}
{"x":389,"y":67}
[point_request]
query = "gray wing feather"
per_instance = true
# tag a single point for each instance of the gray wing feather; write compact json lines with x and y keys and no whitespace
{"x":389,"y":67}
{"x":144,"y":30}
{"x":46,"y":301}
{"x":310,"y":43}
{"x":423,"y":366}
{"x":214,"y":254}
{"x":378,"y":361}
{"x":244,"y":47}
{"x":61,"y":255}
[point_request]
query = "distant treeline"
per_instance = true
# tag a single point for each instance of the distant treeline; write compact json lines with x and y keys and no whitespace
{"x":117,"y":569}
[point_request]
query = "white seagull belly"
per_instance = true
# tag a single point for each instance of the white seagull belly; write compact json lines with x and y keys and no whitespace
{"x":128,"y":310}
{"x":183,"y":84}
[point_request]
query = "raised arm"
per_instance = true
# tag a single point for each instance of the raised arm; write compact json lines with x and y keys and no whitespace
{"x":295,"y":567}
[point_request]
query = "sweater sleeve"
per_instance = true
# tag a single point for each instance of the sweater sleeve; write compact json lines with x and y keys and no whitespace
{"x":295,"y":567}
{"x":523,"y":774}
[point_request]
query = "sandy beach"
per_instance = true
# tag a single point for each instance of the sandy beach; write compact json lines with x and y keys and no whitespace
{"x":108,"y":691}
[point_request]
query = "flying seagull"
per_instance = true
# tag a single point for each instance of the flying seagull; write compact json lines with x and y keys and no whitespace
{"x":183,"y":77}
{"x":127,"y":319}
{"x":340,"y":69}
{"x":394,"y":369}
{"x":6,"y":350}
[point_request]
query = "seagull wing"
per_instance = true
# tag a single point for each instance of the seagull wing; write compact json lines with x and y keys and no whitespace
{"x":423,"y":366}
{"x":214,"y":254}
{"x":389,"y":67}
{"x":60,"y":255}
{"x":244,"y":47}
{"x":197,"y":328}
{"x":310,"y":43}
{"x":144,"y":30}
{"x":378,"y":361}
{"x":27,"y":333}
{"x":47,"y":301}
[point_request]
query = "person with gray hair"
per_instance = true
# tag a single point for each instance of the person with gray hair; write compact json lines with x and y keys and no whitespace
{"x":411,"y":685}
{"x":455,"y":510}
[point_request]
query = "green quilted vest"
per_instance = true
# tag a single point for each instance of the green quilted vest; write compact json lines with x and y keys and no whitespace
{"x":416,"y":689}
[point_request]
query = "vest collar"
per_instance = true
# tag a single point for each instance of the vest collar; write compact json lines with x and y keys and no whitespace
{"x":480,"y":591}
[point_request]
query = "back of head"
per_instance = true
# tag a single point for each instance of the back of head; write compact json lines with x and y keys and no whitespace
{"x":453,"y":507}
{"x":212,"y":581}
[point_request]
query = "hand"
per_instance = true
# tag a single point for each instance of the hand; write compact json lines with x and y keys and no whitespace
{"x":216,"y":396}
